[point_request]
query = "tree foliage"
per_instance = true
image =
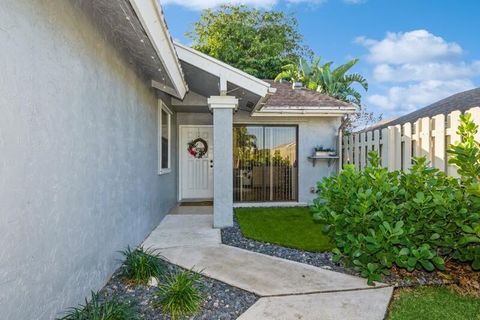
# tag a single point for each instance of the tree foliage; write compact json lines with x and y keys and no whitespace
{"x":256,"y":41}
{"x":337,"y":83}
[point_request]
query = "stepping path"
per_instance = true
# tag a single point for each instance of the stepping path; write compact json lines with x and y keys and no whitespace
{"x":287,"y":289}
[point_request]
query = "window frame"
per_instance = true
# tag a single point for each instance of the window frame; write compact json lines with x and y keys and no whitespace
{"x":163,"y":107}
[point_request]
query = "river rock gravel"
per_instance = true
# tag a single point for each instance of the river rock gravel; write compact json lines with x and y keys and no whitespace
{"x":233,"y":236}
{"x":221,"y":301}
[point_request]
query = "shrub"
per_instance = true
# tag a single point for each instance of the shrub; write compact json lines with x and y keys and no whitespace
{"x":179,"y":294}
{"x":378,"y":219}
{"x":466,"y":156}
{"x":141,"y":264}
{"x":102,"y":309}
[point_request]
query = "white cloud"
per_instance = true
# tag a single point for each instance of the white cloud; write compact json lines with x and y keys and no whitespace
{"x":409,"y":47}
{"x":416,"y":68}
{"x":204,"y":4}
{"x":425,"y":71}
{"x":404,"y":99}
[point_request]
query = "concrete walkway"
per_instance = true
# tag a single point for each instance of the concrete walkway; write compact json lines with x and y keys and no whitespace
{"x":287,"y":289}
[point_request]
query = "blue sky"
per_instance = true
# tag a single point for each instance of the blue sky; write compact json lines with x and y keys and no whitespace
{"x":412,"y":52}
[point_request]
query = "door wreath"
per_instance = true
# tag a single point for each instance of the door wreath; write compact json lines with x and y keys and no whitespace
{"x":197,"y":148}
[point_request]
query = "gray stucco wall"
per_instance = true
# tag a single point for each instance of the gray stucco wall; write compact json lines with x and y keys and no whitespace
{"x":78,"y":159}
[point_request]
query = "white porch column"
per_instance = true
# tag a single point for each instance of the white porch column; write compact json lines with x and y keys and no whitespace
{"x":222,"y":108}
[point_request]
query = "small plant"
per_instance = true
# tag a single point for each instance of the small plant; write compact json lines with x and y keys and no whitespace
{"x":102,"y":309}
{"x":141,"y":264}
{"x":322,"y":149}
{"x":179,"y":294}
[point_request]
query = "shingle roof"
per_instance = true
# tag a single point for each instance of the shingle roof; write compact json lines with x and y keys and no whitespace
{"x":288,"y":98}
{"x":461,"y":101}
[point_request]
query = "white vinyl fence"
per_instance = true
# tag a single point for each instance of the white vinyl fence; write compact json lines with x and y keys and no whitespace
{"x":397,"y":145}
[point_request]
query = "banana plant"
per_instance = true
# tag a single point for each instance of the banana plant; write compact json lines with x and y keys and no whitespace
{"x":335,"y":83}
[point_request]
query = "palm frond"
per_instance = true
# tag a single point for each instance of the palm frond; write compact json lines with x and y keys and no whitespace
{"x":340,"y":71}
{"x":358,"y":78}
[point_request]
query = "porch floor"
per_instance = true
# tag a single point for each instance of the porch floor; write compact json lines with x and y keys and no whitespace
{"x":287,"y":289}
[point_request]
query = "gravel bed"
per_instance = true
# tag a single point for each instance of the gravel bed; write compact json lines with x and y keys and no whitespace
{"x":222,"y":301}
{"x":233,"y":236}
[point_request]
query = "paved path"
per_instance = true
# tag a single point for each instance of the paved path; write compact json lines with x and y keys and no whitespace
{"x":287,"y":289}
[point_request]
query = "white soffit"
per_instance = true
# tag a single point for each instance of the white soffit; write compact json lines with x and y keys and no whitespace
{"x":150,"y":15}
{"x":225,"y":72}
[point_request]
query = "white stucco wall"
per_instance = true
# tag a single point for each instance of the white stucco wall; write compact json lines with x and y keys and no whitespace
{"x":78,"y":158}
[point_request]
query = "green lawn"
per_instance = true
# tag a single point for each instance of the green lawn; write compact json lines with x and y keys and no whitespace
{"x":288,"y":227}
{"x":434,"y":303}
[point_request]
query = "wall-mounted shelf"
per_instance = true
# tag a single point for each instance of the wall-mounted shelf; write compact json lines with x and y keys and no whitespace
{"x":330,"y":159}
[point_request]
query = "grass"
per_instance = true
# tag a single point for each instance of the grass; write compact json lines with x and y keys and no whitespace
{"x":288,"y":227}
{"x":140,"y":265}
{"x":434,"y":303}
{"x":179,"y":294}
{"x":102,"y":309}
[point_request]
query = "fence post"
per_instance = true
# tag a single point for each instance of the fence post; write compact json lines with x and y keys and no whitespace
{"x":407,"y":146}
{"x":363,"y":162}
{"x":369,"y":143}
{"x":344,"y":148}
{"x":416,"y":139}
{"x":397,"y":144}
{"x":425,"y":139}
{"x":439,"y":154}
{"x":356,"y":144}
{"x":388,"y":148}
{"x":376,"y":141}
{"x":454,"y":138}
{"x":351,"y":149}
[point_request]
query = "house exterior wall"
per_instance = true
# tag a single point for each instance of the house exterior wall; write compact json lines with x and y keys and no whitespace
{"x":312,"y":131}
{"x":78,"y":159}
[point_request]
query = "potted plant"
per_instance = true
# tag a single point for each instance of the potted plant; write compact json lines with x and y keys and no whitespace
{"x":320,"y":151}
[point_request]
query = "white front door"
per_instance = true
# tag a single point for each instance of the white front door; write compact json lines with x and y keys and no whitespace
{"x":196,"y":162}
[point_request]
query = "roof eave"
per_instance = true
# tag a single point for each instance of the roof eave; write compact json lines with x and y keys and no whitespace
{"x":324,"y":112}
{"x":222,"y":70}
{"x":153,"y":22}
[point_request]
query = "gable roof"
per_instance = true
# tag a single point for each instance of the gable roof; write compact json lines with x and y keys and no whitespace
{"x":150,"y":15}
{"x":461,"y":101}
{"x":223,"y":71}
{"x":286,"y":99}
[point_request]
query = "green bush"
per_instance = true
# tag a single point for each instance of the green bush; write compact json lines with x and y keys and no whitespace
{"x":378,"y":219}
{"x":141,"y":264}
{"x":102,"y":309}
{"x":179,"y":294}
{"x":466,"y":156}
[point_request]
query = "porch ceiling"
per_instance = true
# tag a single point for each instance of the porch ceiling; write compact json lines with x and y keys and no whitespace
{"x":124,"y":26}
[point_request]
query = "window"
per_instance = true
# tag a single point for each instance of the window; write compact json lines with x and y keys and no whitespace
{"x":164,"y":138}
